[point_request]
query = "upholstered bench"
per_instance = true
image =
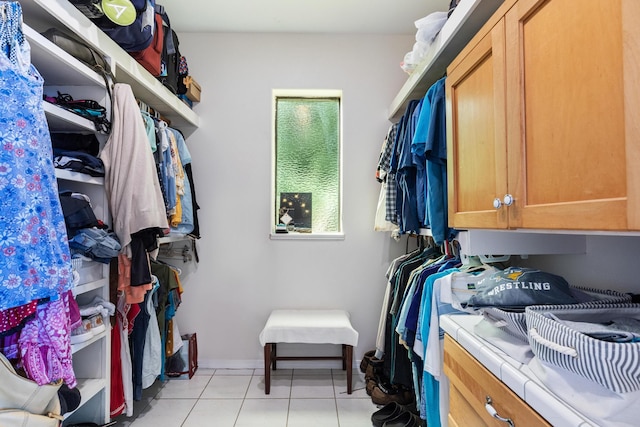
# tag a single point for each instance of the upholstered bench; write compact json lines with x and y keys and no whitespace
{"x":308,"y":327}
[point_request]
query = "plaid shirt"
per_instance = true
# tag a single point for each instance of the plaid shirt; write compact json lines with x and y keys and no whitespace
{"x":391,"y":214}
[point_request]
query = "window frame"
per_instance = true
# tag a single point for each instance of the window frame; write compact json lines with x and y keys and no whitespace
{"x":305,"y":93}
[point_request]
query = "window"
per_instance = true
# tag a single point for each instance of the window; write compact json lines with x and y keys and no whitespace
{"x":307,"y":162}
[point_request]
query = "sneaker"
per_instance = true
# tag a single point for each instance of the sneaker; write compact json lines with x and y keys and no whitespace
{"x":97,"y":324}
{"x":82,"y":333}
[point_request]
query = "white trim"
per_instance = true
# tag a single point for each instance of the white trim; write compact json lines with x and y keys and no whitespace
{"x":305,"y":93}
{"x":307,"y":236}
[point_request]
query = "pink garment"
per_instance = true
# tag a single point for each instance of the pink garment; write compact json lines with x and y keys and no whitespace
{"x":45,"y":347}
{"x":9,"y":347}
{"x":14,"y":317}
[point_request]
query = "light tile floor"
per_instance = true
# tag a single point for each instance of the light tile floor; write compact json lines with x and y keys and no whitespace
{"x":235,"y":398}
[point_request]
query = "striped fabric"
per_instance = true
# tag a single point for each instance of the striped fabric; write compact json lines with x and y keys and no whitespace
{"x":515,"y":323}
{"x":615,"y":366}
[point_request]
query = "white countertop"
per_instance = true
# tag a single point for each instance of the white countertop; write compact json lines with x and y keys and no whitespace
{"x":511,"y":371}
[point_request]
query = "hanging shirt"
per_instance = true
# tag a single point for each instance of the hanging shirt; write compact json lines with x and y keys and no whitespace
{"x":35,"y":261}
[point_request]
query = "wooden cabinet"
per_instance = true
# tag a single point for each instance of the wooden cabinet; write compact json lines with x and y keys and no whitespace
{"x":474,"y":392}
{"x":477,"y":165}
{"x":540,"y":117}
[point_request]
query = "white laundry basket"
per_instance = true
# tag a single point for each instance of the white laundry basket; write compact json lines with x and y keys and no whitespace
{"x":515,"y":323}
{"x":614,"y":365}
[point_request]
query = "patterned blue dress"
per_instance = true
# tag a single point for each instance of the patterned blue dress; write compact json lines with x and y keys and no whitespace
{"x":34,"y":261}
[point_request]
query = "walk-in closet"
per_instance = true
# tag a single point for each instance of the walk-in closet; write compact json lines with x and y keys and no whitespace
{"x":319,"y":214}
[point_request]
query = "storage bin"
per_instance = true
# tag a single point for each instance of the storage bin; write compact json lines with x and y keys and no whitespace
{"x":515,"y":324}
{"x":193,"y":89}
{"x":614,"y":365}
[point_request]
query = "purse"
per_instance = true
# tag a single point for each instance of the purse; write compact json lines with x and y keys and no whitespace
{"x":24,"y":395}
{"x":77,"y":49}
{"x":18,"y":417}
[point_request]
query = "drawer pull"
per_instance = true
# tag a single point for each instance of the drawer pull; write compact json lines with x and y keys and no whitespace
{"x":492,"y":411}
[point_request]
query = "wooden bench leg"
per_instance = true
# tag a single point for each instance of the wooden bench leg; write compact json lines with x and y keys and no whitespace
{"x":267,"y":368}
{"x":349,"y":363}
{"x":274,"y":356}
{"x":344,"y":357}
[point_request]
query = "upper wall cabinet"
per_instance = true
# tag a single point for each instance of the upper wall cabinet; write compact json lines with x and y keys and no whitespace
{"x":540,"y":116}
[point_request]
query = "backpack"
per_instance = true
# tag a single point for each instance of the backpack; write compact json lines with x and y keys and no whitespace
{"x":77,"y":212}
{"x":170,"y":59}
{"x":151,"y":57}
{"x":137,"y":36}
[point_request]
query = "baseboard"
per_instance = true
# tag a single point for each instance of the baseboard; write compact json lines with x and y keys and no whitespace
{"x":259,"y":364}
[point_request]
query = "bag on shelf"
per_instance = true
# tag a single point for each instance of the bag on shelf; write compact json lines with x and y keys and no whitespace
{"x":136,"y":36}
{"x":151,"y":57}
{"x":80,"y":51}
{"x":170,"y":61}
{"x":89,"y":8}
{"x":183,"y":73}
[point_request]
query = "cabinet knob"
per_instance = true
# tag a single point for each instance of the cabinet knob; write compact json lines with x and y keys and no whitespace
{"x":508,"y":199}
{"x":497,"y":203}
{"x":492,"y":411}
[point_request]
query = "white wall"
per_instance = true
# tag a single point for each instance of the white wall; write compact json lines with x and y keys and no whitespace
{"x":610,"y":262}
{"x":242,"y":274}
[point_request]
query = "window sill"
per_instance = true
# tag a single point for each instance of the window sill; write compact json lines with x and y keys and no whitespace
{"x":306,"y":236}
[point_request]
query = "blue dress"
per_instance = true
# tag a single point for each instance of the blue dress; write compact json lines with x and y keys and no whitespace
{"x":35,"y":261}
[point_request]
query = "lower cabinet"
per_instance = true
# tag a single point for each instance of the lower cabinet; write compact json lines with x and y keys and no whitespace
{"x":477,"y":398}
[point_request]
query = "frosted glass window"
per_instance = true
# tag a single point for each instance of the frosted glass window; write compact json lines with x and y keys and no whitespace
{"x":307,"y":150}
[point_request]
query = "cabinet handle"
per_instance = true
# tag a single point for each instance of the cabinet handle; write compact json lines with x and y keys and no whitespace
{"x":497,"y":203}
{"x":492,"y":411}
{"x":508,"y":199}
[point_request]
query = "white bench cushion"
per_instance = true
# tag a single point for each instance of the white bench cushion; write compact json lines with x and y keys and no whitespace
{"x":309,"y":327}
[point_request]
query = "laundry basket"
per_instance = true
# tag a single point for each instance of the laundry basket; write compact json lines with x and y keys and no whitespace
{"x":514,"y":321}
{"x":614,"y":365}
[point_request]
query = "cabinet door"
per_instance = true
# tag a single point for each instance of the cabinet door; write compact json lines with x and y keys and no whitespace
{"x":476,"y":160}
{"x":571,"y":146}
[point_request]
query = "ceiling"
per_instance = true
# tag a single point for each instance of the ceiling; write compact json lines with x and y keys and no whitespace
{"x":300,"y":16}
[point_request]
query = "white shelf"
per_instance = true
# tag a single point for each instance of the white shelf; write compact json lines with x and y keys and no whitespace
{"x":63,"y":120}
{"x":43,"y":14}
{"x":89,"y":388}
{"x":519,"y":242}
{"x":465,"y":21}
{"x":69,"y":175}
{"x":88,"y":287}
{"x":77,"y":347}
{"x":56,"y":66}
{"x":177,"y":237}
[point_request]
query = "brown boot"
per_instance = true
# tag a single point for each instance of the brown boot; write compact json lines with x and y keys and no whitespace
{"x":383,"y":395}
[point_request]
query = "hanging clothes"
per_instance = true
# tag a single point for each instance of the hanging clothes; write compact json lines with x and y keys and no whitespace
{"x":131,"y":182}
{"x":35,"y":261}
{"x":186,"y":223}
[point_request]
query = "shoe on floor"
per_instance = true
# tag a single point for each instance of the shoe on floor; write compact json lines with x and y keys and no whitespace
{"x":381,"y":395}
{"x":404,"y":419}
{"x":386,"y":413}
{"x":374,"y":368}
{"x":365,"y":360}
